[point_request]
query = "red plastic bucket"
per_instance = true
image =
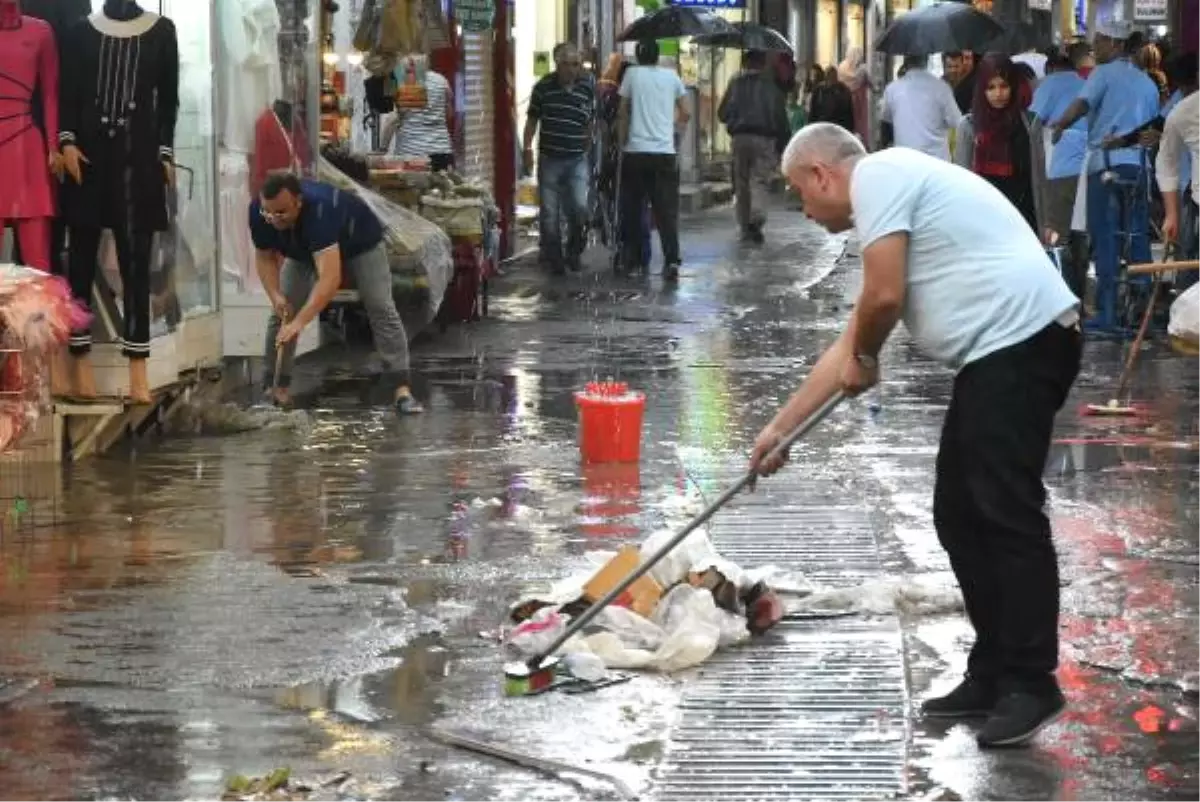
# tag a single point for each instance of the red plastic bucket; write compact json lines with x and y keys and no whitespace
{"x":610,"y":422}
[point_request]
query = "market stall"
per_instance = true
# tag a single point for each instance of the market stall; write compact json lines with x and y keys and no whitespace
{"x":387,"y":62}
{"x":37,"y":314}
{"x":464,"y":210}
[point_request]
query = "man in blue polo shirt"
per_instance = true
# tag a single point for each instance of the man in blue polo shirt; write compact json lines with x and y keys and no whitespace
{"x":1117,"y":98}
{"x":318,"y":229}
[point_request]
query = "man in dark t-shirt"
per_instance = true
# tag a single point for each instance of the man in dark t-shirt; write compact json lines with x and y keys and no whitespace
{"x":318,"y":228}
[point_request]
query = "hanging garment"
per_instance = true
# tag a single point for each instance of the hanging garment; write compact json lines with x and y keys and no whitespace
{"x":276,"y":147}
{"x":28,"y":61}
{"x":249,"y":64}
{"x":120,"y":101}
{"x":398,"y":31}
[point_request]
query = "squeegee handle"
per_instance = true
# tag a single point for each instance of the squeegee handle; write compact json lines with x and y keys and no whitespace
{"x":747,"y":479}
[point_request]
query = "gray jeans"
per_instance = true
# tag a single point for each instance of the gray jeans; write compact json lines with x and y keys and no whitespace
{"x":373,"y":280}
{"x":754,"y":163}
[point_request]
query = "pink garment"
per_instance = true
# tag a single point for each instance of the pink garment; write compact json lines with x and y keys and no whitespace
{"x":28,"y":60}
{"x":33,"y":233}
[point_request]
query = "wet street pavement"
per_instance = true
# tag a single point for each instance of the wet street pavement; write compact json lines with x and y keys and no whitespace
{"x":322,"y":596}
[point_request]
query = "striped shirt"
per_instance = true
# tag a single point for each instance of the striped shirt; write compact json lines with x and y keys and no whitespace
{"x":423,"y":132}
{"x":564,"y":113}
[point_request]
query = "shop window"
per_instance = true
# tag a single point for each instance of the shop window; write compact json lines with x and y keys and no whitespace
{"x":184,"y":265}
{"x":195,"y":240}
{"x":265,"y":115}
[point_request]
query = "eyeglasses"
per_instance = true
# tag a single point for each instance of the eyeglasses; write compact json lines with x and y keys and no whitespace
{"x":271,"y":216}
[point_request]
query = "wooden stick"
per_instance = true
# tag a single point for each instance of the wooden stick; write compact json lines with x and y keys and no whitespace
{"x":1149,"y":268}
{"x":1136,"y":348}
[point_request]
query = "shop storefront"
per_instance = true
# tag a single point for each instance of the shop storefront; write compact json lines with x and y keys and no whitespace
{"x":266,"y":97}
{"x":184,"y":296}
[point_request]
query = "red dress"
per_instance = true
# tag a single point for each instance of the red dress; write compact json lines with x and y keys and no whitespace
{"x":28,"y":60}
{"x":276,"y":147}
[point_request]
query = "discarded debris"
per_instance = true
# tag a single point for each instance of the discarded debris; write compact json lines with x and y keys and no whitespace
{"x":274,"y":786}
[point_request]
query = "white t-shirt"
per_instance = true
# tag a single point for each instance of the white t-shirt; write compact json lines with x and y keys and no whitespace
{"x":922,"y":110}
{"x":978,"y":280}
{"x":1036,"y":62}
{"x":652,"y":93}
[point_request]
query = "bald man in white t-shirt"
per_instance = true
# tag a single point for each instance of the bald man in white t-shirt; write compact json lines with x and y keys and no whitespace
{"x":946,"y":253}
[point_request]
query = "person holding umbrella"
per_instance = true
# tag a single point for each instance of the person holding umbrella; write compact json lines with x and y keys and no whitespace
{"x":652,"y":105}
{"x":920,"y":109}
{"x":754,"y":112}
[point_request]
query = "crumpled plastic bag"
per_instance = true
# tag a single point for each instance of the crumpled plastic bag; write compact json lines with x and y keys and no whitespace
{"x":687,"y":629}
{"x":1185,"y":316}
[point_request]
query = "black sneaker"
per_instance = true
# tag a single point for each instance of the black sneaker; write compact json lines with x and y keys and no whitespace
{"x":671,"y":271}
{"x":1018,"y":717}
{"x":972,"y":698}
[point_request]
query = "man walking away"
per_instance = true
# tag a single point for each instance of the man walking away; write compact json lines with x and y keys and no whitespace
{"x":1116,"y":98}
{"x":921,"y":110}
{"x":563,"y":104}
{"x":320,"y":229}
{"x":946,"y":253}
{"x":1051,"y":99}
{"x":652,"y":104}
{"x":754,"y":111}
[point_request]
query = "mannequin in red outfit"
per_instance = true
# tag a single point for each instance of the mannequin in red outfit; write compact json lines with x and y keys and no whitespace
{"x":28,"y":156}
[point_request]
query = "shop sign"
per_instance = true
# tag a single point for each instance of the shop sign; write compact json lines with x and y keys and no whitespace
{"x":475,"y":16}
{"x":709,"y":3}
{"x":541,"y":63}
{"x":1149,"y":10}
{"x":1041,"y":5}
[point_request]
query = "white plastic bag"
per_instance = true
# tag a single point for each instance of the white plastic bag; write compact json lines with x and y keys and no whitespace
{"x":1185,"y":315}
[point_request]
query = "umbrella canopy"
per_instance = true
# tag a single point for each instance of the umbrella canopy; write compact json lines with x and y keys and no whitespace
{"x":672,"y":22}
{"x":1019,"y":37}
{"x":940,"y":28}
{"x":747,"y":36}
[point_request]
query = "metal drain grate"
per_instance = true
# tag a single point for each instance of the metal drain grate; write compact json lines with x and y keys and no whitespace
{"x":816,"y":709}
{"x":814,"y":712}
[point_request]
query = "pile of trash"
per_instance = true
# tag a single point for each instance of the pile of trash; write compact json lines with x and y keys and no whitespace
{"x":695,"y":602}
{"x":675,"y":617}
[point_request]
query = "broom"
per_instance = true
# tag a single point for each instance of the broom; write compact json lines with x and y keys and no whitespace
{"x":1114,"y":408}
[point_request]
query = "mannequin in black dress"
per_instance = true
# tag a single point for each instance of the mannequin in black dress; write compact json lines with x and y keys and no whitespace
{"x":120,"y":100}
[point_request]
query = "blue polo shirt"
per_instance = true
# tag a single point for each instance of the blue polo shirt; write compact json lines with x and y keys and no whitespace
{"x":1120,"y":98}
{"x":1050,"y":101}
{"x":328,"y":216}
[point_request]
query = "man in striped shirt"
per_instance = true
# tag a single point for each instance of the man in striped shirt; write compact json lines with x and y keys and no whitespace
{"x":563,"y":106}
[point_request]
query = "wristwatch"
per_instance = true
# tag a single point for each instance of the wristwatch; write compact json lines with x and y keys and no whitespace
{"x":868,"y":362}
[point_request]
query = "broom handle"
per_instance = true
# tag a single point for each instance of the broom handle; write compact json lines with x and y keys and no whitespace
{"x":1127,"y":371}
{"x":748,"y":478}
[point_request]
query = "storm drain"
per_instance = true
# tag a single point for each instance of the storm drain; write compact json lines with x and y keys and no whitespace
{"x":816,"y":709}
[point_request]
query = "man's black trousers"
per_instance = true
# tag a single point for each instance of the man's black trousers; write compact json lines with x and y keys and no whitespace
{"x":988,"y":504}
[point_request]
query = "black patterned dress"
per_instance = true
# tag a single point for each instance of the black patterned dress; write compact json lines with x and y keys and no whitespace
{"x":119,"y":103}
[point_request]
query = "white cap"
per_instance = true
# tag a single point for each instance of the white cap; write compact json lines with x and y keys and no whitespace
{"x":1115,"y":29}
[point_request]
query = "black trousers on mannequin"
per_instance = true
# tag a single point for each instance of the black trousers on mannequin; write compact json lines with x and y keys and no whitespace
{"x":133,"y":256}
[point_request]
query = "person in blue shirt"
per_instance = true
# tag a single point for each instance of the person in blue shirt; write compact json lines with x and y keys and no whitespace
{"x":319,"y":230}
{"x":1116,"y":98}
{"x":1051,"y":100}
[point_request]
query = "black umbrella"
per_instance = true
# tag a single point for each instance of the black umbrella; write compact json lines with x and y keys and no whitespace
{"x":940,"y":28}
{"x":747,"y":36}
{"x":672,"y":22}
{"x":1019,"y":37}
